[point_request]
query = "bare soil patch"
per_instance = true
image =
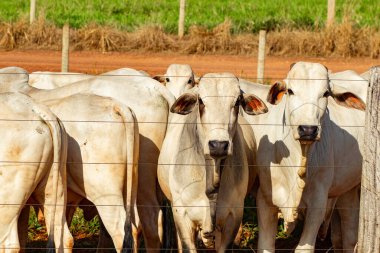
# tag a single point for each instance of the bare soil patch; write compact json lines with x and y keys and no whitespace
{"x":156,"y":63}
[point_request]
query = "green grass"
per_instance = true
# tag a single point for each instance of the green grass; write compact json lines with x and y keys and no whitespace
{"x":79,"y":227}
{"x":246,"y":15}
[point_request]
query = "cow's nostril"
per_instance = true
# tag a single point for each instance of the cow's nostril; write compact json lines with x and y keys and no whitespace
{"x":307,"y":132}
{"x":224,"y":145}
{"x":212,"y":144}
{"x":218,"y":148}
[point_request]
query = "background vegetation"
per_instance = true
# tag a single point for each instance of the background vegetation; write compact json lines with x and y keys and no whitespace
{"x":245,"y":15}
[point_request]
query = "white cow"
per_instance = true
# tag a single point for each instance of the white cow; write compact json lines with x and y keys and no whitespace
{"x":203,"y":168}
{"x":52,"y":80}
{"x":178,"y":78}
{"x":102,"y":158}
{"x":308,"y":151}
{"x":33,"y":156}
{"x":130,"y":75}
{"x":365,"y":75}
{"x":349,"y":80}
{"x":150,"y":102}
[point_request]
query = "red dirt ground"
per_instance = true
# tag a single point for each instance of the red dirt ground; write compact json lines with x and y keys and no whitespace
{"x":243,"y":66}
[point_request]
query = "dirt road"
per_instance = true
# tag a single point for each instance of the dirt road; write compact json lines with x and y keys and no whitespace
{"x":242,"y":66}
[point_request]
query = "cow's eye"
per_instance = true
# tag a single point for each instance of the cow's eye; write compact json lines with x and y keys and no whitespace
{"x":190,"y":81}
{"x":167,"y":80}
{"x":326,"y":94}
{"x":290,"y":92}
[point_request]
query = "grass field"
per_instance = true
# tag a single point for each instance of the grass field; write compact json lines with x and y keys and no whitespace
{"x":246,"y":15}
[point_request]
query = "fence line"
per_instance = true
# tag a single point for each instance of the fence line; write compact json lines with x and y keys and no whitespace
{"x":186,"y":206}
{"x":170,"y":249}
{"x":171,"y":76}
{"x":161,"y":122}
{"x":178,"y":164}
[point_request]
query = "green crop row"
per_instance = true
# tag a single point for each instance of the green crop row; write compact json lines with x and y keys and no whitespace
{"x":246,"y":15}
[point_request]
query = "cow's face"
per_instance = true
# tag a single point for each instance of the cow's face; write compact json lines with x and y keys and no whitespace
{"x":307,"y":89}
{"x":178,"y":78}
{"x":219,"y":98}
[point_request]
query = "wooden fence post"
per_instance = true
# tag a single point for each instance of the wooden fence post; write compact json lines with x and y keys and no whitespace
{"x":65,"y":47}
{"x":330,"y":12}
{"x":181,"y":20}
{"x":369,"y":223}
{"x":32,"y":14}
{"x":261,"y":57}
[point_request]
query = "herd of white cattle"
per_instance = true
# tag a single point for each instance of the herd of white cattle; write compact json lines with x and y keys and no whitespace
{"x":122,"y":141}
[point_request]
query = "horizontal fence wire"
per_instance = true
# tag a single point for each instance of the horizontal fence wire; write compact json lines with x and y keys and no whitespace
{"x":170,"y":164}
{"x":158,"y":164}
{"x":183,"y":206}
{"x":170,"y":249}
{"x":159,"y":122}
{"x":184,"y":76}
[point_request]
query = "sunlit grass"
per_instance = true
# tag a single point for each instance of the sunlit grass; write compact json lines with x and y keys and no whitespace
{"x":246,"y":15}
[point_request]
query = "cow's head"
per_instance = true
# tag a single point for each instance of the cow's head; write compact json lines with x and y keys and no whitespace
{"x":178,"y":78}
{"x":219,"y":98}
{"x":307,"y":89}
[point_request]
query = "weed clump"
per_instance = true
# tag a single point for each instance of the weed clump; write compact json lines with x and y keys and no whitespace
{"x":341,"y":40}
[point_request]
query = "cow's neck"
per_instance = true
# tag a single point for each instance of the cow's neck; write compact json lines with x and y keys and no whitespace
{"x":302,"y":170}
{"x":21,"y":87}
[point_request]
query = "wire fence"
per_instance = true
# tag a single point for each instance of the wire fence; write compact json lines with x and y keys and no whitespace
{"x":178,"y":76}
{"x":4,"y":163}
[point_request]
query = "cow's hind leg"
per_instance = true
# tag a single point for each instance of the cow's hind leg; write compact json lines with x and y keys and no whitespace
{"x":148,"y":207}
{"x":22,"y":227}
{"x":114,"y":219}
{"x":54,"y":211}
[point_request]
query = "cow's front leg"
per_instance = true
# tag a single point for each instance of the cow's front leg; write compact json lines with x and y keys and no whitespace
{"x":267,"y":217}
{"x":347,"y":207}
{"x":185,"y":230}
{"x":315,"y":213}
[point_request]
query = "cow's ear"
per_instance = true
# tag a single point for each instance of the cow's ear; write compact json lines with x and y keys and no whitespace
{"x":161,"y":79}
{"x":253,"y":105}
{"x":350,"y":100}
{"x":276,"y":92}
{"x":184,"y":104}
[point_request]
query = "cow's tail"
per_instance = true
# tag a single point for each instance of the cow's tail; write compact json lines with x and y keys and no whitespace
{"x":58,"y":169}
{"x":132,"y":151}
